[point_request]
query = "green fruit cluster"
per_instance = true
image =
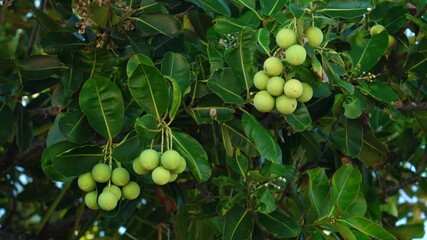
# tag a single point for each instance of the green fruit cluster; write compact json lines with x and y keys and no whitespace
{"x":377,"y":29}
{"x":164,"y":167}
{"x":118,"y":186}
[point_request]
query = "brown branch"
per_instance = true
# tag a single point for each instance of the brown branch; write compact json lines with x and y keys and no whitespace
{"x":412,"y":106}
{"x":13,"y":157}
{"x":412,"y":180}
{"x":417,"y":15}
{"x":35,"y":32}
{"x":44,"y":112}
{"x":6,"y":4}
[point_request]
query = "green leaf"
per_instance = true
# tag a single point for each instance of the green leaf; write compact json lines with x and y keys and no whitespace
{"x":24,"y":128}
{"x":158,"y":23}
{"x":345,"y":186}
{"x":395,"y":19}
{"x":347,"y":9}
{"x":421,"y":118}
{"x":146,"y":127}
{"x":216,"y":58}
{"x":374,"y":152}
{"x":250,"y":4}
{"x":6,"y":123}
{"x":217,"y":6}
{"x":311,"y":146}
{"x":62,"y":40}
{"x":128,"y":149}
{"x":226,"y":140}
{"x":358,"y":207}
{"x":243,"y":59}
{"x":75,"y":127}
{"x":227,"y":25}
{"x":54,"y":135}
{"x":279,"y":224}
{"x":41,"y":67}
{"x":78,"y":160}
{"x":367,"y":227}
{"x":102,"y":102}
{"x":226,"y":86}
{"x":238,"y":138}
{"x":176,"y":66}
{"x":354,"y":105}
{"x":238,"y":224}
{"x":239,"y":163}
{"x":379,"y":91}
{"x":345,"y":231}
{"x":46,"y":160}
{"x":300,"y":119}
{"x":135,"y":61}
{"x":366,"y":52}
{"x":407,"y":231}
{"x":318,"y":190}
{"x":263,"y":39}
{"x":265,"y":201}
{"x":194,"y":154}
{"x":349,"y":138}
{"x":224,"y":206}
{"x":271,"y":7}
{"x":176,"y":98}
{"x":266,"y":145}
{"x":149,"y":89}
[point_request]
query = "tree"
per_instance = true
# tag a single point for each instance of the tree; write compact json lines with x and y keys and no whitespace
{"x":208,"y":119}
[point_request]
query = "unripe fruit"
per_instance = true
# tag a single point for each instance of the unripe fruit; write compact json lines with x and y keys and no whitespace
{"x":91,"y":200}
{"x":131,"y":190}
{"x":101,"y":173}
{"x":314,"y":36}
{"x":173,"y":177}
{"x":114,"y":189}
{"x":107,"y":201}
{"x":273,"y":66}
{"x":295,"y":55}
{"x":307,"y":93}
{"x":263,"y":101}
{"x":86,"y":182}
{"x":181,"y":167}
{"x":285,"y":38}
{"x":260,"y":80}
{"x":120,"y":176}
{"x":160,"y":175}
{"x":136,"y":165}
{"x":293,"y":88}
{"x":286,"y":105}
{"x":391,"y":41}
{"x":149,"y":159}
{"x":376,"y":29}
{"x":170,"y":159}
{"x":275,"y":86}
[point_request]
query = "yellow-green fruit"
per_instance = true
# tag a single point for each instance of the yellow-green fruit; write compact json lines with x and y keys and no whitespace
{"x":86,"y":182}
{"x":295,"y":55}
{"x":120,"y":176}
{"x":131,"y":190}
{"x":101,"y":173}
{"x":263,"y":101}
{"x":173,"y":177}
{"x":314,"y":36}
{"x":137,"y":167}
{"x":160,"y":175}
{"x":275,"y":86}
{"x":114,"y":189}
{"x":307,"y":93}
{"x":260,"y":80}
{"x":107,"y":201}
{"x":91,"y":200}
{"x":273,"y":66}
{"x":285,"y":38}
{"x":293,"y":88}
{"x":391,"y":41}
{"x":170,"y":159}
{"x":376,"y":29}
{"x":181,"y":167}
{"x":286,"y":105}
{"x":149,"y":159}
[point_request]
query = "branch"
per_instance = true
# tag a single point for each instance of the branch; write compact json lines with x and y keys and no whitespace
{"x":402,"y":184}
{"x":44,"y":112}
{"x":412,"y":106}
{"x":13,"y":157}
{"x":417,"y":15}
{"x":6,"y":4}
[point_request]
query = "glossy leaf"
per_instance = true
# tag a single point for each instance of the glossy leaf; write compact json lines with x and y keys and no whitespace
{"x":194,"y":154}
{"x":349,"y":137}
{"x":318,"y":190}
{"x":263,"y":39}
{"x":367,"y":227}
{"x":146,"y":127}
{"x":421,"y":119}
{"x":407,"y":231}
{"x":128,"y":149}
{"x":239,"y":163}
{"x":347,"y":9}
{"x":238,"y":138}
{"x":49,"y":154}
{"x":152,"y":24}
{"x":102,"y":102}
{"x":380,"y":91}
{"x":176,"y":66}
{"x":374,"y":153}
{"x":227,"y":25}
{"x":6,"y":123}
{"x":264,"y":142}
{"x":358,"y":207}
{"x":77,"y":160}
{"x":265,"y":201}
{"x":279,"y":224}
{"x":271,"y":7}
{"x":135,"y":61}
{"x":41,"y":66}
{"x":250,"y":4}
{"x":300,"y":119}
{"x":224,"y":206}
{"x":24,"y":130}
{"x":345,"y":186}
{"x":238,"y":224}
{"x":75,"y":127}
{"x":226,"y":86}
{"x":62,"y":40}
{"x":176,"y":98}
{"x":217,"y":6}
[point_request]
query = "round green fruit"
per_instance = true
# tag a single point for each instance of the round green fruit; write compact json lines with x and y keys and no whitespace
{"x":307,"y":93}
{"x":273,"y":66}
{"x":377,"y":29}
{"x":260,"y":80}
{"x":107,"y":201}
{"x":285,"y":38}
{"x":86,"y":182}
{"x":293,"y":88}
{"x":149,"y":159}
{"x":295,"y":54}
{"x":285,"y":104}
{"x":170,"y":159}
{"x":314,"y":36}
{"x":131,"y":190}
{"x":91,"y":200}
{"x":173,"y":177}
{"x":160,"y":175}
{"x":182,"y":166}
{"x":137,"y":167}
{"x":120,"y":176}
{"x":263,"y":101}
{"x":101,"y":173}
{"x":275,"y":86}
{"x":114,"y":189}
{"x":391,"y":41}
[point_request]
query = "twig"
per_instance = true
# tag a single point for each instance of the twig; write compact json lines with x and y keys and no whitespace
{"x":412,"y":106}
{"x":6,"y":4}
{"x":402,"y":184}
{"x":35,"y":31}
{"x":417,"y":15}
{"x":44,"y":112}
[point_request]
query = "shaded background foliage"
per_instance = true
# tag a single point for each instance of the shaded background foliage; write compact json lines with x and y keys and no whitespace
{"x":353,"y":158}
